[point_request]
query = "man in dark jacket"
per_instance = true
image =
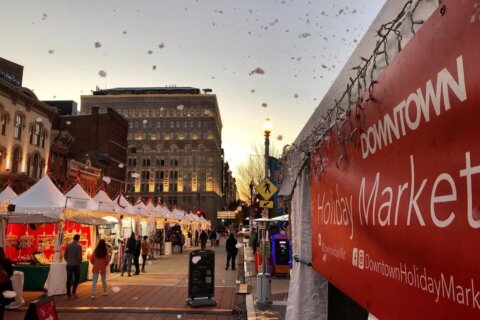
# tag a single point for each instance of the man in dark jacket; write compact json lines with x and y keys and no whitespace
{"x":196,"y":238}
{"x":203,"y":240}
{"x":231,"y":250}
{"x":136,"y":255}
{"x":128,"y":255}
{"x":73,"y":256}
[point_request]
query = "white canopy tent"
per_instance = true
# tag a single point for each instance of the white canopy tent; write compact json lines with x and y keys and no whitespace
{"x":127,"y":224}
{"x":151,"y":224}
{"x":7,"y":195}
{"x":42,"y":198}
{"x":104,"y":202}
{"x":77,"y":198}
{"x":140,"y":210}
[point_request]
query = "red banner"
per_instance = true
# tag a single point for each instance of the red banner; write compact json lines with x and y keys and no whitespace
{"x":395,"y":214}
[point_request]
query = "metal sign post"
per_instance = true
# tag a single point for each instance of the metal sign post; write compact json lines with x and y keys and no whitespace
{"x":264,"y":281}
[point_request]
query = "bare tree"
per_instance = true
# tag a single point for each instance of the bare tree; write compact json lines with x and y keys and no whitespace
{"x":253,"y":170}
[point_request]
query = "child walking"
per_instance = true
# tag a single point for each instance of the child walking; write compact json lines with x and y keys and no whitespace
{"x":100,"y":260}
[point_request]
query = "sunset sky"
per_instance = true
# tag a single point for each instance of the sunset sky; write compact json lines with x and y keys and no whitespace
{"x":262,"y":58}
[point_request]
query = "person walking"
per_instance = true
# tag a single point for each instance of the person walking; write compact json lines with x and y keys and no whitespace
{"x":231,"y":251}
{"x":136,"y":255}
{"x":128,"y":255}
{"x":213,"y":237}
{"x":196,"y":238}
{"x":145,"y":250}
{"x":203,"y":240}
{"x":73,"y":257}
{"x":100,"y":260}
{"x":181,"y":240}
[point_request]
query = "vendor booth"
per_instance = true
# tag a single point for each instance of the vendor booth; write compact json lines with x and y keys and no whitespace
{"x":42,"y":225}
{"x":33,"y":230}
{"x":17,"y":278}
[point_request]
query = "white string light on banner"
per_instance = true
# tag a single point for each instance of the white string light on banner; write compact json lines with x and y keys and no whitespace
{"x":355,"y":97}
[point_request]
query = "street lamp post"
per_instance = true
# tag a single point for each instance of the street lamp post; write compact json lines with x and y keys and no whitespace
{"x":264,"y":295}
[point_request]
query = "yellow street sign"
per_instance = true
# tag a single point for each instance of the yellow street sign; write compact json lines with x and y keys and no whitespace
{"x":266,"y":189}
{"x":266,"y":204}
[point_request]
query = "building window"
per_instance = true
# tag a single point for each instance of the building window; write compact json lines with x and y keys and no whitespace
{"x":145,"y":174}
{"x":144,"y":187}
{"x":132,"y":162}
{"x":16,"y":158}
{"x":146,"y":162}
{"x":35,"y":166}
{"x":3,"y":155}
{"x":173,"y":187}
{"x":19,"y":120}
{"x":133,"y":150}
{"x":3,"y":122}
{"x":173,"y":174}
{"x":158,"y":187}
{"x":44,"y":137}
{"x":35,"y":134}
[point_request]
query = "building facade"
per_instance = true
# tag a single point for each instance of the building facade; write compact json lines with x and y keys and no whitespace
{"x":92,"y":148}
{"x":229,"y":188}
{"x":174,"y":144}
{"x":25,"y":127}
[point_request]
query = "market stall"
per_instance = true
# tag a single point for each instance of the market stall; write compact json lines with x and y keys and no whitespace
{"x":36,"y":231}
{"x":6,"y":196}
{"x":32,"y":231}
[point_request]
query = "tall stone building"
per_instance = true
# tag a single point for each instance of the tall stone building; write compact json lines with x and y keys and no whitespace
{"x":174,"y":144}
{"x":25,"y":127}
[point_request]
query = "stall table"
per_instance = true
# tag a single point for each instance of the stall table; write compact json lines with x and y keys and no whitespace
{"x":36,"y":276}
